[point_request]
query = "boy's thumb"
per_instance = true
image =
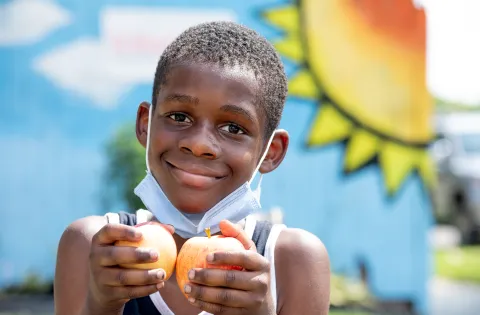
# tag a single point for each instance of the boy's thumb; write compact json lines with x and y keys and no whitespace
{"x":230,"y":229}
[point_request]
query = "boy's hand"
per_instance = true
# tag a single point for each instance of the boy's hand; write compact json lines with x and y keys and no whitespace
{"x":233,"y":292}
{"x":111,"y":286}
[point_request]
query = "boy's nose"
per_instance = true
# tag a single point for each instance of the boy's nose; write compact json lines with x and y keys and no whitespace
{"x":200,"y":143}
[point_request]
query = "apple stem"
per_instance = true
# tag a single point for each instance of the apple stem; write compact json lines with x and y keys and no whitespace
{"x":207,"y":230}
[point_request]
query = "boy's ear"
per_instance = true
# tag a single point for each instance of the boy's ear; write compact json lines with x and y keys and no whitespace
{"x":276,"y":152}
{"x":141,"y":127}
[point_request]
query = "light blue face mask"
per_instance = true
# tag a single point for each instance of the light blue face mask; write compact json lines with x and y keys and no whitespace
{"x":235,"y":207}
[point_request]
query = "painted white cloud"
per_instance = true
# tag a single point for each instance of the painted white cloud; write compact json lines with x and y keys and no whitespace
{"x":88,"y":68}
{"x":25,"y":22}
{"x":131,"y":41}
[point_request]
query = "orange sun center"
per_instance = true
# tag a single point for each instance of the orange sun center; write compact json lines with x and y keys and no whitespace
{"x":397,"y":19}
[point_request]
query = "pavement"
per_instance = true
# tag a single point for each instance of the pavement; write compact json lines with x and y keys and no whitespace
{"x":26,"y":305}
{"x":451,"y":298}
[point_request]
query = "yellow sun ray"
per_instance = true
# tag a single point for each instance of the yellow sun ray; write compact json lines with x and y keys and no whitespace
{"x":397,"y":162}
{"x":426,"y":169}
{"x":329,"y":127}
{"x":362,"y":147}
{"x":303,"y":85}
{"x":290,"y":47}
{"x":287,"y":19}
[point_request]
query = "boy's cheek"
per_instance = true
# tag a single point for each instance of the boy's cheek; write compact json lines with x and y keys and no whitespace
{"x":247,"y":157}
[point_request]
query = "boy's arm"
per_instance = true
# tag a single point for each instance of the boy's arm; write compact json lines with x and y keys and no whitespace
{"x":72,"y":269}
{"x":302,"y":269}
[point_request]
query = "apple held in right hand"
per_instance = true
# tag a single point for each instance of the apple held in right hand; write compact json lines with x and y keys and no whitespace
{"x":193,"y":254}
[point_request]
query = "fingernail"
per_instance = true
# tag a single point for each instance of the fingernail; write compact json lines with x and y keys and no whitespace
{"x":187,"y":289}
{"x":160,"y":285}
{"x":136,"y":234}
{"x":210,"y":257}
{"x":160,"y":275}
{"x":153,"y":254}
{"x":191,"y":300}
{"x":191,"y":274}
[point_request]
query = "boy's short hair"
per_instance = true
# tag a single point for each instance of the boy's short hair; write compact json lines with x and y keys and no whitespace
{"x":231,"y":44}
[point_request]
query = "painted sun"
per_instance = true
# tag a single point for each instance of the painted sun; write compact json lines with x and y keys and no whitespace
{"x":363,"y":61}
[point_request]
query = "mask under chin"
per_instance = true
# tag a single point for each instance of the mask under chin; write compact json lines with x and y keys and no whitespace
{"x":195,"y":218}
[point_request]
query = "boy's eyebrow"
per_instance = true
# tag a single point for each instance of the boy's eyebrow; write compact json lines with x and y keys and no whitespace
{"x":182,"y":98}
{"x":237,"y":110}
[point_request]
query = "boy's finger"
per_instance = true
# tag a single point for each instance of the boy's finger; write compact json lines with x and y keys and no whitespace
{"x":249,"y":260}
{"x":234,"y":279}
{"x":118,"y":277}
{"x":135,"y":291}
{"x":233,"y":230}
{"x":118,"y":255}
{"x":169,"y":228}
{"x":220,"y":296}
{"x":111,"y":233}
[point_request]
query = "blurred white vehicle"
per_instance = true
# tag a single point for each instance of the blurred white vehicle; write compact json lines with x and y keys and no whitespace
{"x":457,"y":155}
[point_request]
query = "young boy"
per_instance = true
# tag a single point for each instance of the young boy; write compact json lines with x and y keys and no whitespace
{"x":218,"y":97}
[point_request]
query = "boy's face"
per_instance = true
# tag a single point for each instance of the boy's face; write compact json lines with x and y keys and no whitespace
{"x":207,"y":134}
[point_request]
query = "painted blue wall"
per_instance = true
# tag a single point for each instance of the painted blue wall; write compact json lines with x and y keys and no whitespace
{"x":52,"y":158}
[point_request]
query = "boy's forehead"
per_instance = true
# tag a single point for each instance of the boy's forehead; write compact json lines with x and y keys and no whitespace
{"x":231,"y":85}
{"x":236,"y":77}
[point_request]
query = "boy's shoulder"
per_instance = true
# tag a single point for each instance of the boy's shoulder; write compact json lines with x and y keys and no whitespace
{"x":292,"y":241}
{"x":302,"y":270}
{"x":302,"y":249}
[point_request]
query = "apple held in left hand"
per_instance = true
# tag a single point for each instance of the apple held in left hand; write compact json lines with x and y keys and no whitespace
{"x":232,"y":279}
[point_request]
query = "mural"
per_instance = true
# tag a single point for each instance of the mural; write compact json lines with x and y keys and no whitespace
{"x":364,"y":61}
{"x":74,"y":75}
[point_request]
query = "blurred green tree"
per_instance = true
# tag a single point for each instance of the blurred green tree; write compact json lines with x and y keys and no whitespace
{"x":442,"y":105}
{"x":125,"y":168}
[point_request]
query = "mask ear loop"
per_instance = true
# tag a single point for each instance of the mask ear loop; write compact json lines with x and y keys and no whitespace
{"x":150,"y":110}
{"x":261,"y":161}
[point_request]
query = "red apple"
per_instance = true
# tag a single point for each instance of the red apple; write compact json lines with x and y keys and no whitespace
{"x":193,"y":254}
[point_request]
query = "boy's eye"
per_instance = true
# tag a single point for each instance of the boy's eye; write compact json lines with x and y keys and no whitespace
{"x":179,"y":117}
{"x":232,"y":128}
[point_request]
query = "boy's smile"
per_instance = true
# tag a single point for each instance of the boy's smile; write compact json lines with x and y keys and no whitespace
{"x":194,"y":175}
{"x":207,"y":133}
